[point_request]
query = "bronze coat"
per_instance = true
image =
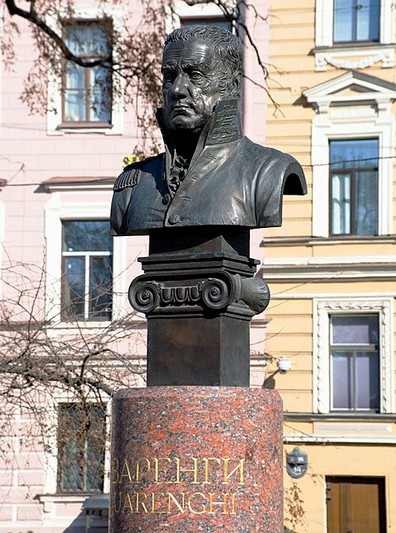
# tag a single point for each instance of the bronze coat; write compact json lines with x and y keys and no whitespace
{"x":231,"y":181}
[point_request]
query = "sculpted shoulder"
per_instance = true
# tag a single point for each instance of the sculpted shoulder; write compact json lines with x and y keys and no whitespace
{"x":281,"y":169}
{"x":131,"y":174}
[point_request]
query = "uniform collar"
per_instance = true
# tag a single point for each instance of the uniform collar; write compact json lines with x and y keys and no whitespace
{"x":223,"y":127}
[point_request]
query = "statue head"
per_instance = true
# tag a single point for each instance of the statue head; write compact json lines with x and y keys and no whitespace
{"x":201,"y":65}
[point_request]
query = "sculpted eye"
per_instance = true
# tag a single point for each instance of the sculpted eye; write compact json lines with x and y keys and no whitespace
{"x":196,"y":75}
{"x":168,"y":77}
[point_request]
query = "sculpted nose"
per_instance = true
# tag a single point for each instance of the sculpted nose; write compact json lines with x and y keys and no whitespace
{"x":179,"y":87}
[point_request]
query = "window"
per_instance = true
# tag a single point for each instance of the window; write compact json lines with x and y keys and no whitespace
{"x":87,"y":92}
{"x":353,"y":355}
{"x":354,"y":34}
{"x":356,"y":20}
{"x":354,"y":362}
{"x":87,"y":100}
{"x":86,"y":270}
{"x":353,"y":145}
{"x":81,"y":447}
{"x":199,"y":13}
{"x":354,"y":187}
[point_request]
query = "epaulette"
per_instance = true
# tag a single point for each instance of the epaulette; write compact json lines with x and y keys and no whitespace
{"x":129,"y":178}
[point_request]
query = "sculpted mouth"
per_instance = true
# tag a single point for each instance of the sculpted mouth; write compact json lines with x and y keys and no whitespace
{"x":183,"y":109}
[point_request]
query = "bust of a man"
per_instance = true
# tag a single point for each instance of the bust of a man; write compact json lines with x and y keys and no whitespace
{"x":210,"y":173}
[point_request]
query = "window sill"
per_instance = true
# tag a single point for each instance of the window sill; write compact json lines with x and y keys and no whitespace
{"x":104,"y":128}
{"x":50,"y":500}
{"x":314,"y":241}
{"x":339,"y":417}
{"x":60,"y":327}
{"x":347,"y":46}
{"x":78,"y":125}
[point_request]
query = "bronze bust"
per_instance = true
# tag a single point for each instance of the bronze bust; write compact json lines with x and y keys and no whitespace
{"x":210,"y":174}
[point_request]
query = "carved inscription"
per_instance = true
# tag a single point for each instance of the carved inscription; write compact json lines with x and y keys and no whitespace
{"x":164,"y":474}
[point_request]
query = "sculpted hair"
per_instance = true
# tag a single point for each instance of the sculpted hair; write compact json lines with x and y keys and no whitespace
{"x":227,"y":49}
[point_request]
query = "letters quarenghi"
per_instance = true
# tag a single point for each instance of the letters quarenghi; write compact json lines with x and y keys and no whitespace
{"x":169,"y":503}
{"x":162,"y":471}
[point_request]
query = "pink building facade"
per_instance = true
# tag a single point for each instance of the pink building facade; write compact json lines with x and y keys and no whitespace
{"x":56,"y":172}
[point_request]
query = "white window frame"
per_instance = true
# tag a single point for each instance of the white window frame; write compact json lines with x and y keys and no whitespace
{"x":51,"y":497}
{"x":106,"y":443}
{"x":322,"y":309}
{"x":86,"y":255}
{"x":56,"y":211}
{"x":353,"y":56}
{"x":341,"y":115}
{"x":182,"y":10}
{"x":54,"y":114}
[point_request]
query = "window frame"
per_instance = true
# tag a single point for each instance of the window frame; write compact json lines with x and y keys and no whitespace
{"x":61,"y":207}
{"x":355,"y":28}
{"x":351,"y":349}
{"x":84,"y":449}
{"x":87,"y":78}
{"x":182,"y":11}
{"x":55,"y":123}
{"x":88,"y":256}
{"x":354,"y":54}
{"x":322,"y":309}
{"x":353,"y":207}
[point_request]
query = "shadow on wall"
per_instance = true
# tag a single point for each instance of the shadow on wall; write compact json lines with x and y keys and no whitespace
{"x":93,"y":517}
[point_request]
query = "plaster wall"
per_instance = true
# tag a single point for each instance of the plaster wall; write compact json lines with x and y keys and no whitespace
{"x":31,"y":154}
{"x":302,"y":269}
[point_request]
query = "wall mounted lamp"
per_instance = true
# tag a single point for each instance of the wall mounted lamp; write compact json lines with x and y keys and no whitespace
{"x":284,"y":364}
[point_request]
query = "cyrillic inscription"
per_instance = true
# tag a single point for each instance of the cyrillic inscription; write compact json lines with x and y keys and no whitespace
{"x":162,"y":471}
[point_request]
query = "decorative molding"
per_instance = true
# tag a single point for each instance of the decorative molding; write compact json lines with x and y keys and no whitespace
{"x":351,"y":87}
{"x":312,"y":295}
{"x":348,"y":91}
{"x":341,"y":59}
{"x":216,"y":293}
{"x":321,"y":351}
{"x":329,"y":269}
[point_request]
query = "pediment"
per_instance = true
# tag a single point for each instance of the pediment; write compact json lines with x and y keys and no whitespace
{"x":352,"y":86}
{"x":352,"y":89}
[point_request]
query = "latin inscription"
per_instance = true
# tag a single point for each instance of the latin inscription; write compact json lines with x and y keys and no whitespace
{"x":170,"y":472}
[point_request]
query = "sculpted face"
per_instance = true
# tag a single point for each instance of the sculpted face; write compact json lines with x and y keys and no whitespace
{"x":190,"y":85}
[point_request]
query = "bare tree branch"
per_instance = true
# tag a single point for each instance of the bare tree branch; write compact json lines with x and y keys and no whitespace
{"x":135,"y":57}
{"x":33,"y":17}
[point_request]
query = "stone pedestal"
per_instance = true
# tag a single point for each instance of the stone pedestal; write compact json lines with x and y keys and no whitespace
{"x":196,"y":459}
{"x":199,"y":294}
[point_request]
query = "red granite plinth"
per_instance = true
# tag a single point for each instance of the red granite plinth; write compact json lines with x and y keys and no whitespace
{"x":196,"y":459}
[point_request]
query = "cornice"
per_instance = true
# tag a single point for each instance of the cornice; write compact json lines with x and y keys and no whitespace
{"x":76,"y":183}
{"x":326,"y":241}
